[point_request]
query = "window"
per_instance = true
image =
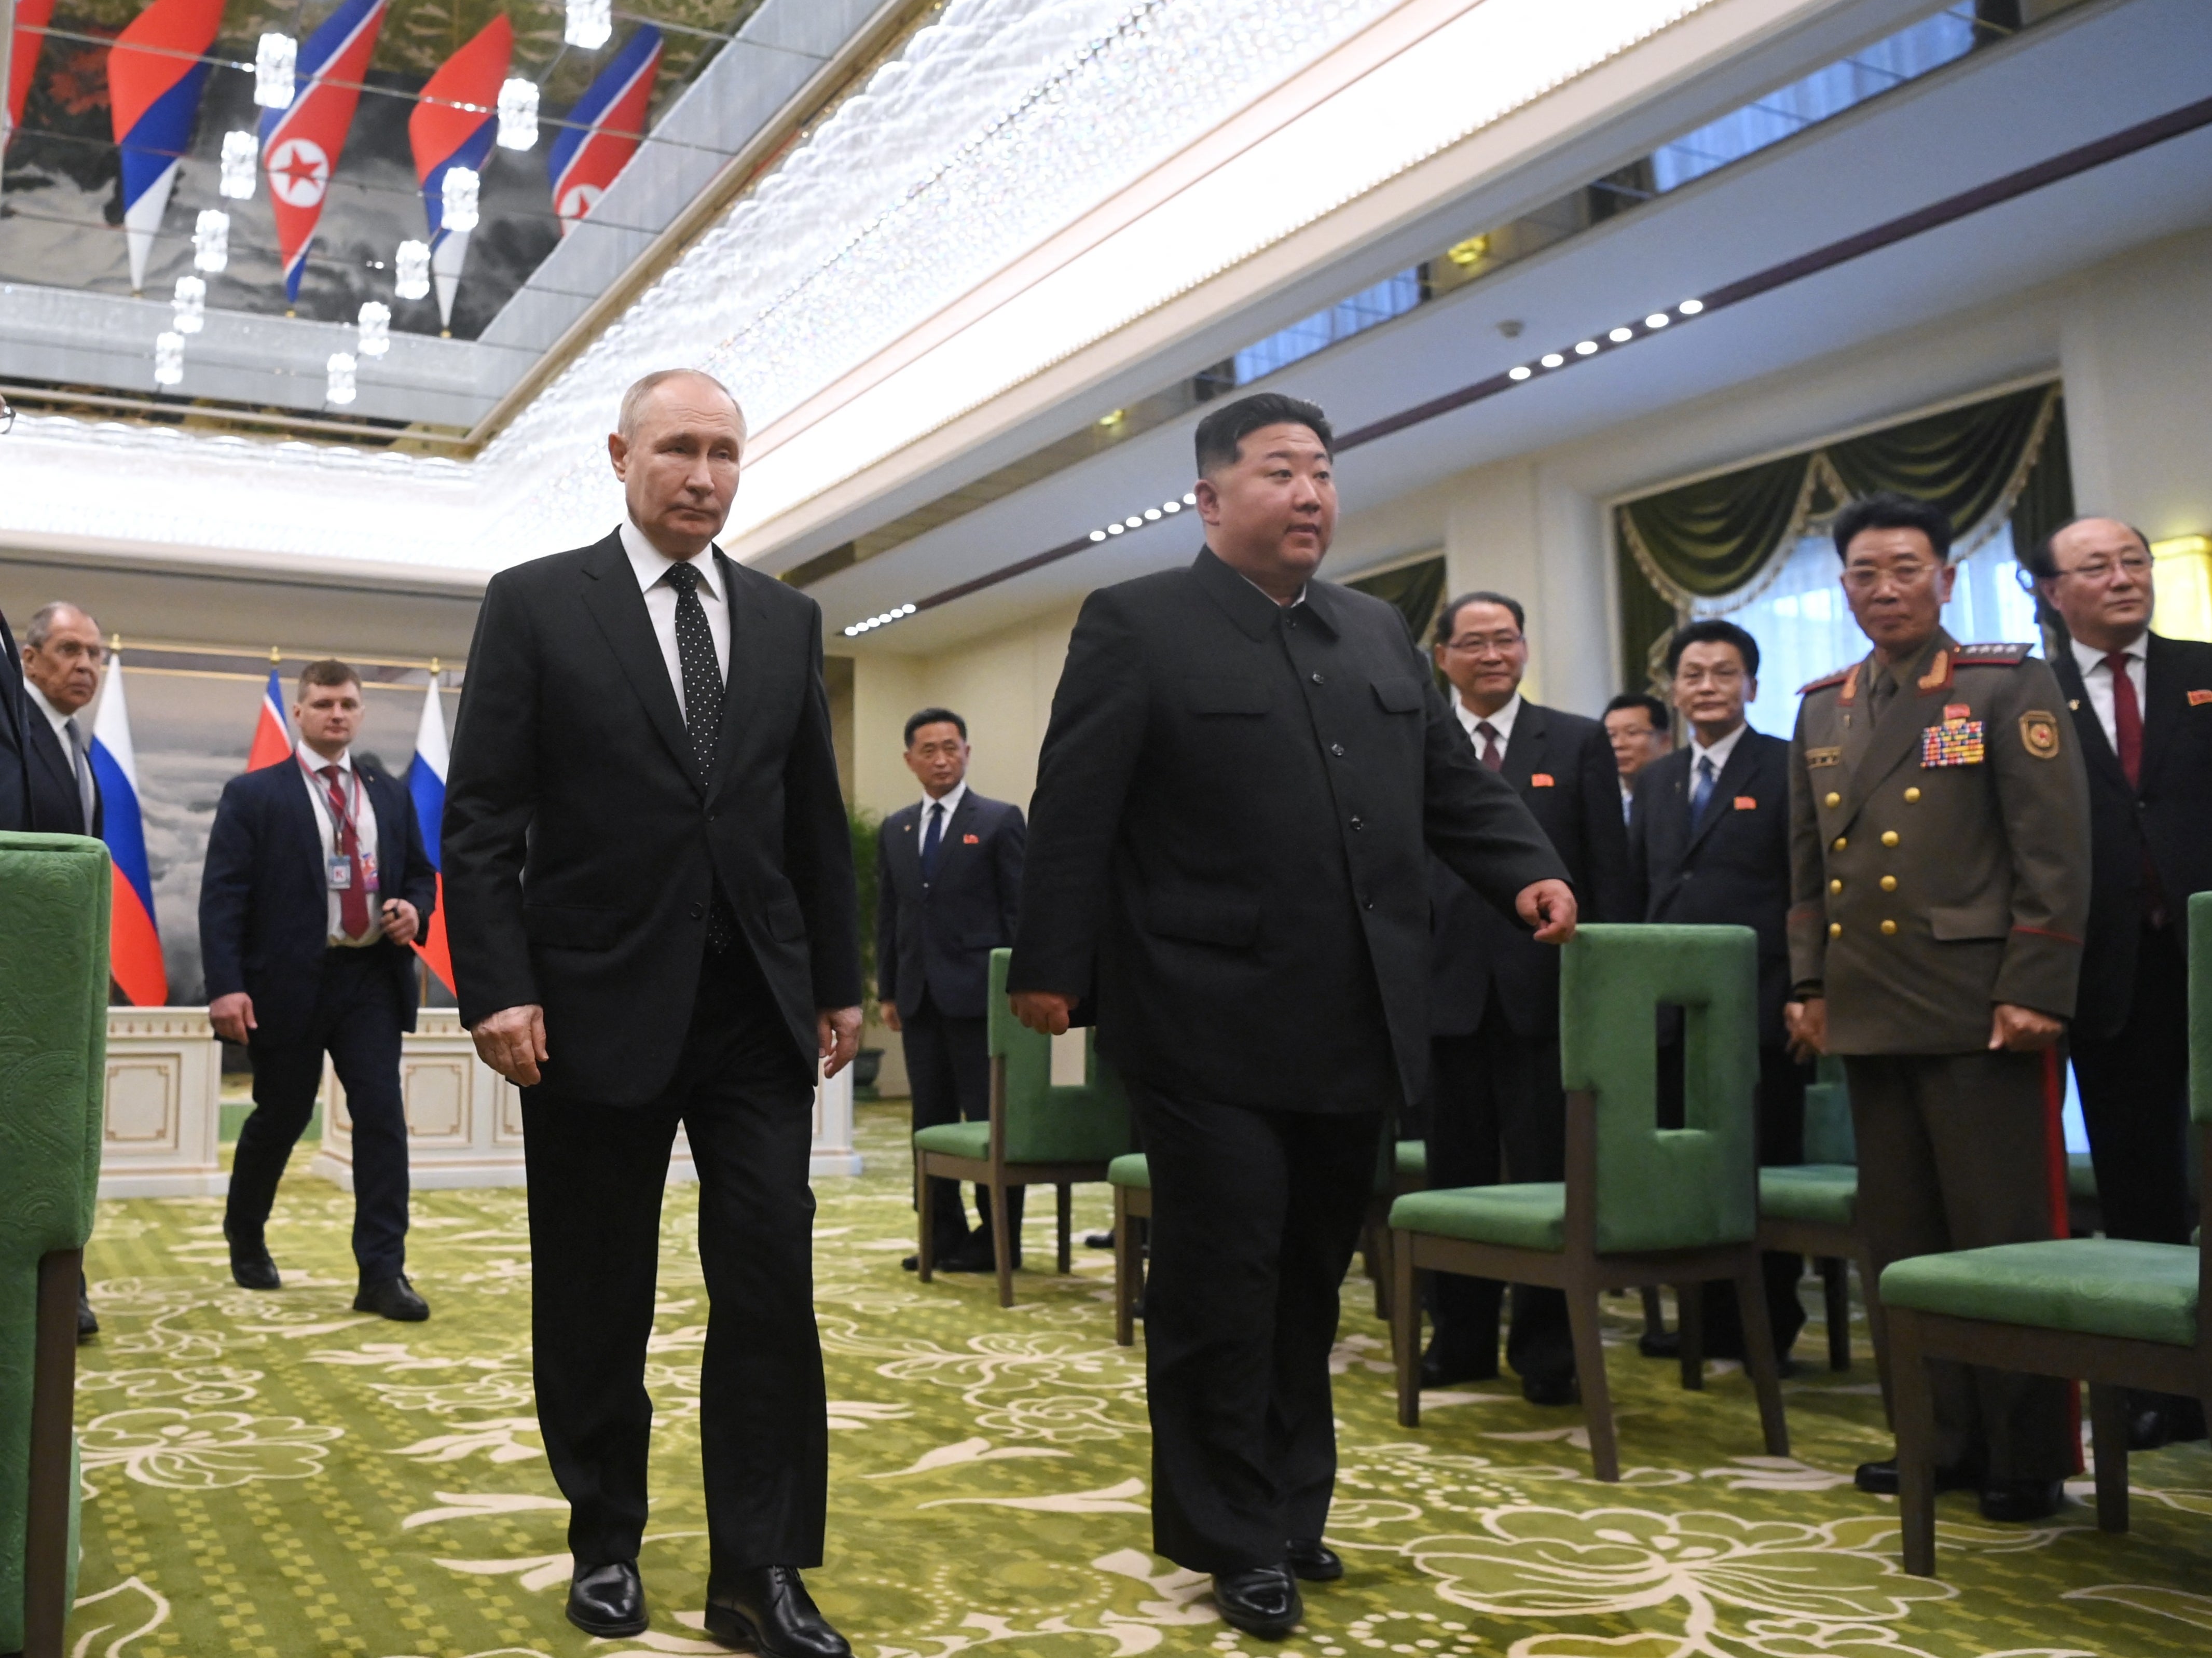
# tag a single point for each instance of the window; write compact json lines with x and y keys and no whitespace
{"x":1391,"y":297}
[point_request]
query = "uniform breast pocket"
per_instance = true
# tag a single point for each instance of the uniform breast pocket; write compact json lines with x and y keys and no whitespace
{"x":1399,"y":695}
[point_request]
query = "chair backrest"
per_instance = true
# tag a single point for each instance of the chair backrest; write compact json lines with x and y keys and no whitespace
{"x":1829,"y":1137}
{"x":1045,"y":1124}
{"x":54,"y":1074}
{"x":1665,"y":1188}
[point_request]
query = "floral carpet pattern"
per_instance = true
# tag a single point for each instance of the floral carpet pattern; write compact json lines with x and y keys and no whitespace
{"x":277,"y":1475}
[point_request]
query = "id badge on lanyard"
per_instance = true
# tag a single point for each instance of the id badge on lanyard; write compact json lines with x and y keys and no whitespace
{"x":337,"y":868}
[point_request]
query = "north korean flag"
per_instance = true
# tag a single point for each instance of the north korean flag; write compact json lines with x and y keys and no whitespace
{"x":603,"y":129}
{"x":444,"y":137}
{"x":32,"y":17}
{"x":301,"y":146}
{"x":155,"y":74}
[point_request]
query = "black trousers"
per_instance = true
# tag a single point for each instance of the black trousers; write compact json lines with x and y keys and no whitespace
{"x":948,"y":1068}
{"x":356,"y":1022}
{"x":1254,"y":1218}
{"x":1496,"y":1112}
{"x":597,"y":1173}
{"x":1952,"y":1155}
{"x":1781,"y":1141}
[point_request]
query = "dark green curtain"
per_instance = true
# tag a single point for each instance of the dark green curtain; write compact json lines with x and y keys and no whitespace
{"x":1959,"y":460}
{"x":1710,"y":537}
{"x":2046,"y":500}
{"x":1415,"y":589}
{"x":1646,"y":616}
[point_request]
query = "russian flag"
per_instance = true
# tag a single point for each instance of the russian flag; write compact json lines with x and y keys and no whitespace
{"x":444,"y":137}
{"x":426,"y":783}
{"x":32,"y":17}
{"x":300,"y":145}
{"x":603,"y":129}
{"x":155,"y":74}
{"x":272,"y":738}
{"x":134,"y":947}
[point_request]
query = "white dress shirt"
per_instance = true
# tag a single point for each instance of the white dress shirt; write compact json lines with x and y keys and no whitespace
{"x":1501,"y":722}
{"x":364,"y":824}
{"x":950,"y":800}
{"x":652,"y":567}
{"x":1718,"y":754}
{"x":86,"y":790}
{"x":2097,"y":680}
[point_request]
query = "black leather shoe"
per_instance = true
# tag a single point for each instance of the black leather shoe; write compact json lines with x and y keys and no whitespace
{"x":394,"y":1298}
{"x":1261,"y":1600}
{"x":251,"y":1267}
{"x":88,"y":1326}
{"x":768,"y":1611}
{"x":2018,"y":1501}
{"x":1098,"y":1240}
{"x":1314,"y":1560}
{"x":1441,"y":1370}
{"x":1550,"y":1389}
{"x":1879,"y":1478}
{"x":608,"y":1600}
{"x":2147,"y":1429}
{"x":1660,"y":1343}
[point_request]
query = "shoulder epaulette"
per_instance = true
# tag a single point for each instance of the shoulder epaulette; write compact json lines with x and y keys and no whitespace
{"x":1827,"y":680}
{"x":1992,"y":656}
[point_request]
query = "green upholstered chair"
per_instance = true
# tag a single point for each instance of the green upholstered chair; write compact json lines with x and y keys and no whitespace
{"x":1641,"y":1203}
{"x":1038,"y":1134}
{"x":1811,"y":1209}
{"x":2115,"y":1314}
{"x":53,"y":1073}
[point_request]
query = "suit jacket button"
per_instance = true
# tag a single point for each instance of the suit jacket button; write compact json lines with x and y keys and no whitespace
{"x":698,"y":910}
{"x":1889,"y":837}
{"x":1336,"y":748}
{"x":1841,"y":842}
{"x":1889,"y":883}
{"x":1370,"y":903}
{"x":1913,"y":797}
{"x":1833,"y":800}
{"x":1837,"y":884}
{"x":1358,"y":822}
{"x":1320,"y":679}
{"x":1888,"y":928}
{"x":1835,"y":929}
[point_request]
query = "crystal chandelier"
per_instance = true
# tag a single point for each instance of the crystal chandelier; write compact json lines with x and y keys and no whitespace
{"x":211,"y":241}
{"x":589,"y":23}
{"x":518,"y":115}
{"x":191,"y":304}
{"x":276,"y":64}
{"x":457,"y":200}
{"x":338,"y":387}
{"x":239,"y":152}
{"x":413,"y":262}
{"x":376,"y":325}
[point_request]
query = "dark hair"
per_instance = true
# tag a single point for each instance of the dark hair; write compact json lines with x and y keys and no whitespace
{"x":1714,"y":631}
{"x":934,"y":717}
{"x":1448,"y":617}
{"x":1661,"y":720}
{"x":328,"y":671}
{"x":1221,"y":433}
{"x":1887,"y":511}
{"x":2042,"y":559}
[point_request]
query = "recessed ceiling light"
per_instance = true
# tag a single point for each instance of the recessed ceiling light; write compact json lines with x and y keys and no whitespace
{"x":1190,"y":499}
{"x":1551,"y":359}
{"x":1621,"y":335}
{"x":1171,"y":507}
{"x":1583,"y":348}
{"x":1098,"y":535}
{"x":1152,"y":513}
{"x":1520,"y":371}
{"x":1690,"y":307}
{"x":1113,"y":529}
{"x":1657,"y":319}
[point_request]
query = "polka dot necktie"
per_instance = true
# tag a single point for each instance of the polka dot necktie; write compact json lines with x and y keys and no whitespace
{"x":702,"y":715}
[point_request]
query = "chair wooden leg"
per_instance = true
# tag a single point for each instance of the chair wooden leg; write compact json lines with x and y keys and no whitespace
{"x":1836,"y":1298}
{"x":1878,"y":1334}
{"x":2108,"y":1421}
{"x":1125,"y":1272}
{"x":1067,"y":1222}
{"x":925,"y":1252}
{"x":1589,"y":1372}
{"x":1915,"y":1445}
{"x":1655,"y":1312}
{"x":46,"y":1486}
{"x":1002,"y":1244}
{"x":1759,"y":1355}
{"x":1690,"y":1320}
{"x":1406,"y":1330}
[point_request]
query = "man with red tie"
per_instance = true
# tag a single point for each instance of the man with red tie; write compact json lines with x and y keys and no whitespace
{"x":2142,"y":707}
{"x":316,"y":881}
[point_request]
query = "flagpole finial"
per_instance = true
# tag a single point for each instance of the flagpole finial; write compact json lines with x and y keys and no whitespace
{"x":275,"y":656}
{"x":434,"y":669}
{"x":114,"y":643}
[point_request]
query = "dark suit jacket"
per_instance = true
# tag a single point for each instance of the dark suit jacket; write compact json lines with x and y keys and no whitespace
{"x":1732,"y":868}
{"x":938,"y":937}
{"x":2172,"y":814}
{"x":581,"y":848}
{"x":1228,"y":841}
{"x":1475,"y":952}
{"x":15,"y":757}
{"x":56,"y":806}
{"x":264,"y":903}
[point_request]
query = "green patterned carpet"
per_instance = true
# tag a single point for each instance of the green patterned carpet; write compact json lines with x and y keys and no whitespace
{"x":277,"y":1475}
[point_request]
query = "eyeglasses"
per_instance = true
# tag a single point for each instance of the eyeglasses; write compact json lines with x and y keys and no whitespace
{"x":1860,"y":577}
{"x":1720,"y":675}
{"x":2101,"y":569}
{"x":1474,"y":644}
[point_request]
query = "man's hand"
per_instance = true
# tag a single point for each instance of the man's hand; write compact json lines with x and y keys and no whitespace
{"x":1806,"y":1022}
{"x":888,"y":1012}
{"x":1548,"y":906}
{"x":1042,"y":1010}
{"x":232,"y":1015}
{"x":512,"y":1041}
{"x":838,"y":1031}
{"x":2018,"y":1029}
{"x":401,"y":921}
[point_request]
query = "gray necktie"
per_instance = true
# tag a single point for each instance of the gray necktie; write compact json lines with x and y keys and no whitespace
{"x":82,"y":763}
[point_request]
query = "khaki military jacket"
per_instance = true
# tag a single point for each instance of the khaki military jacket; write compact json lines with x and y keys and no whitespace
{"x":1939,"y":856}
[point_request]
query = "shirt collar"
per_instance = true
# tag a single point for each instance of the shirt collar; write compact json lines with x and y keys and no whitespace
{"x":55,"y":717}
{"x":315,"y":763}
{"x":2086,"y":657}
{"x":651,"y":564}
{"x":950,"y":800}
{"x":1501,"y":722}
{"x":1718,"y":754}
{"x":1303,"y":589}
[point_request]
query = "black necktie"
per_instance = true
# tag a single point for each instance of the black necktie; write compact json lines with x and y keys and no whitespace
{"x":932,"y":841}
{"x":1702,"y":795}
{"x":702,"y":716}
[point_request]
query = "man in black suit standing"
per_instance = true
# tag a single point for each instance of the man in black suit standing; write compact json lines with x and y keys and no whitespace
{"x":63,"y":657}
{"x":1640,"y":729}
{"x":2142,"y":707}
{"x":650,"y":876}
{"x":948,"y":880}
{"x":1244,"y":771}
{"x":15,"y":732}
{"x":315,"y":883}
{"x":1496,"y":1109}
{"x":1709,"y":846}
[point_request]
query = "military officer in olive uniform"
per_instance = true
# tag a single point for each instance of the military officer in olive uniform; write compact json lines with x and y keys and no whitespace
{"x":1939,"y":888}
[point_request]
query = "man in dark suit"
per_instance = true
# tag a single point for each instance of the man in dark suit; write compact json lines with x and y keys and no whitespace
{"x":315,"y":883}
{"x":63,"y":657}
{"x":1640,"y":729}
{"x":2142,"y":707}
{"x":1244,"y":771}
{"x":1496,"y":1109}
{"x":1709,"y":846}
{"x":14,"y":755}
{"x":653,"y":917}
{"x":948,"y":878}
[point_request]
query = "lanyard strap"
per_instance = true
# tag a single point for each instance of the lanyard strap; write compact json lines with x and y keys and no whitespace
{"x":350,"y":796}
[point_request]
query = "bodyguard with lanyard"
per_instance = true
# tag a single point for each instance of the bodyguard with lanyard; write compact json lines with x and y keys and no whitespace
{"x":316,"y":882}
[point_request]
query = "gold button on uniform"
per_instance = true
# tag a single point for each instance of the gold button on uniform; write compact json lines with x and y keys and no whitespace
{"x":1889,"y":927}
{"x":1913,"y":797}
{"x":1835,"y":929}
{"x":1889,"y":883}
{"x":1889,"y":837}
{"x":1834,"y":800}
{"x":1836,"y":885}
{"x":1841,"y":844}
